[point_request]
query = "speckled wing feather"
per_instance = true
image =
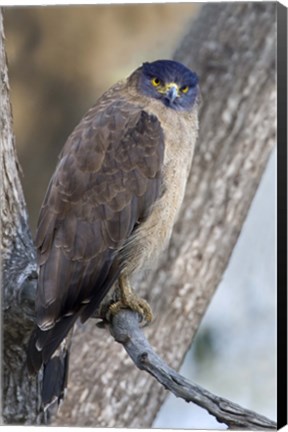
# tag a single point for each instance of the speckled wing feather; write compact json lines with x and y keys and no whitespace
{"x":107,"y":179}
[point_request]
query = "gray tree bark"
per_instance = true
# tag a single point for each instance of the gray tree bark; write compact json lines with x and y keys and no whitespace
{"x":232,"y":47}
{"x":20,"y":393}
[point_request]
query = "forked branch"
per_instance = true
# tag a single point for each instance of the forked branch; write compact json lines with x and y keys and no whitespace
{"x":126,"y":330}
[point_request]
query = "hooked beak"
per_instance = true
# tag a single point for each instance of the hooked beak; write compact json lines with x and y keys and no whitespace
{"x":171,"y":92}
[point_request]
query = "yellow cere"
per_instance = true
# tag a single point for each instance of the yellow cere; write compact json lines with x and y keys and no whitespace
{"x":156,"y":82}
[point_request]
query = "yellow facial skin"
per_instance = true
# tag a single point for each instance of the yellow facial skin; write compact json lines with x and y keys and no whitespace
{"x":168,"y":87}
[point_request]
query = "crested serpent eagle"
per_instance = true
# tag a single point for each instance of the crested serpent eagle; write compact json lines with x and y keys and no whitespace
{"x":111,"y":204}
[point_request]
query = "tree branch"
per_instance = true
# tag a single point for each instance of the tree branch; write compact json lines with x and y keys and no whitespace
{"x":125,"y":328}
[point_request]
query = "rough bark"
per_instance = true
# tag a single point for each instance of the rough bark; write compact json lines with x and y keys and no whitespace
{"x":18,"y":271}
{"x":234,"y":56}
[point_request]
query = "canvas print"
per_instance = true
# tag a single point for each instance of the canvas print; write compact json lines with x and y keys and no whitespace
{"x":138,"y":215}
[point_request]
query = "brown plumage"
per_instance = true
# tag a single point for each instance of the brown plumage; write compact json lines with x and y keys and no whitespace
{"x":111,"y":203}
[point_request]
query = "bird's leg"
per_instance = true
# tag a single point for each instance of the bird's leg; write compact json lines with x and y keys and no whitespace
{"x":129,"y":300}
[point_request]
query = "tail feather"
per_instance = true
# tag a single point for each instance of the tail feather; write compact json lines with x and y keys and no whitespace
{"x":51,"y":349}
{"x":55,"y":378}
{"x":42,"y":344}
{"x":48,"y":341}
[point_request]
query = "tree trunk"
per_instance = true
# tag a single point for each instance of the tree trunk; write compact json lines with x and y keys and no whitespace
{"x":232,"y":47}
{"x":20,"y":393}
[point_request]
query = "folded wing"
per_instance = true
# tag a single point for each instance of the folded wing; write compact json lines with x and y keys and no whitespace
{"x":107,"y":179}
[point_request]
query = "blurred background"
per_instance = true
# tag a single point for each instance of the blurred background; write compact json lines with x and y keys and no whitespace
{"x":61,"y":59}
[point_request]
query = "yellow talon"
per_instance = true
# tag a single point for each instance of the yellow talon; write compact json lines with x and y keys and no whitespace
{"x":129,"y":300}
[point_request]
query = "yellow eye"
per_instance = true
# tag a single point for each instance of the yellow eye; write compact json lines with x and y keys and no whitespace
{"x":184,"y":89}
{"x":155,"y":81}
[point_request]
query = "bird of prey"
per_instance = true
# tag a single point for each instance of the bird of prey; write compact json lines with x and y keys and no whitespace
{"x":112,"y":201}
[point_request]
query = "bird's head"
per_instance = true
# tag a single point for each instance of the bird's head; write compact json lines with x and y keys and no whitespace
{"x":170,"y":82}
